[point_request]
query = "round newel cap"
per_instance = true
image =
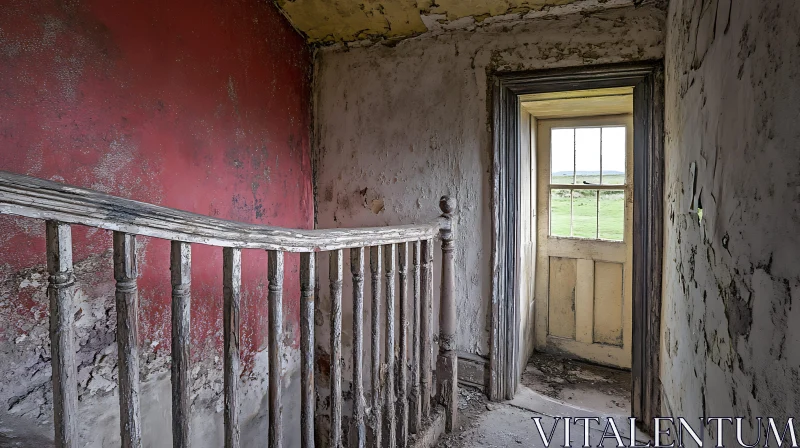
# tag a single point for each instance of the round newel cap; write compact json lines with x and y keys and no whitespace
{"x":447,"y":204}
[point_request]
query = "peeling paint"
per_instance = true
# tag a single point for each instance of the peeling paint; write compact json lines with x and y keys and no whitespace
{"x":202,"y":108}
{"x":335,"y":21}
{"x":348,"y":20}
{"x":483,"y":9}
{"x":411,"y":122}
{"x":731,"y":278}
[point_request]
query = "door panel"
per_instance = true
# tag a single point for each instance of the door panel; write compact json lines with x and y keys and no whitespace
{"x":585,"y":203}
{"x":563,"y":278}
{"x":608,"y":299}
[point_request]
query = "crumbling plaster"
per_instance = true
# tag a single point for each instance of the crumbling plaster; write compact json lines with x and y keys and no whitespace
{"x":200,"y":107}
{"x":398,"y":126}
{"x":731,"y":298}
{"x":331,"y":21}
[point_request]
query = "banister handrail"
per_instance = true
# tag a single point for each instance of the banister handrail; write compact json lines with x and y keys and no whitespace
{"x":429,"y":386}
{"x":44,"y":199}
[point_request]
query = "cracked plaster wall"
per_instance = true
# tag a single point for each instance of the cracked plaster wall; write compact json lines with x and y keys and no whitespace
{"x":328,"y":21}
{"x":396,"y":127}
{"x":731,"y":298}
{"x":201,"y":107}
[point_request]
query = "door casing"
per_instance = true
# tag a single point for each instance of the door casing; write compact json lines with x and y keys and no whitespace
{"x":647,"y":79}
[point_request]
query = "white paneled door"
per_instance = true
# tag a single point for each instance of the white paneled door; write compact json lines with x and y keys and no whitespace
{"x":584,"y":240}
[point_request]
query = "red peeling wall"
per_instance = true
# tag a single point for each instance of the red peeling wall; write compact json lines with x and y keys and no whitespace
{"x":198,"y":105}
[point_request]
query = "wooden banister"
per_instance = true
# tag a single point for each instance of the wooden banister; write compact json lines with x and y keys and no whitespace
{"x":336,"y":262}
{"x":415,"y":423}
{"x":402,"y":380}
{"x":308,"y":396}
{"x":43,"y":199}
{"x":426,"y":328}
{"x":127,"y":295}
{"x":389,"y":262}
{"x":447,"y":364}
{"x":398,"y":405}
{"x":359,"y":405}
{"x":275,"y":347}
{"x":232,"y":292}
{"x":181,"y":274}
{"x":62,"y":332}
{"x":375,"y":422}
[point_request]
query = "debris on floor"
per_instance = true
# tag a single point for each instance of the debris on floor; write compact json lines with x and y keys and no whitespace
{"x":472,"y":403}
{"x":589,"y":386}
{"x":551,"y":386}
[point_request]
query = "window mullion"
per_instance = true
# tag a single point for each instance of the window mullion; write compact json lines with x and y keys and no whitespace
{"x":597,"y":214}
{"x":574,"y":181}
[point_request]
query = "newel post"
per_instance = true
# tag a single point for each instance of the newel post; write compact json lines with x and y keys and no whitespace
{"x":447,"y":363}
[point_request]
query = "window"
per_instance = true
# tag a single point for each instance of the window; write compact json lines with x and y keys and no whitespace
{"x":587,"y":182}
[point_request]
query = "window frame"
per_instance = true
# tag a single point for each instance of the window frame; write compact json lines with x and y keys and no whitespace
{"x":623,"y":120}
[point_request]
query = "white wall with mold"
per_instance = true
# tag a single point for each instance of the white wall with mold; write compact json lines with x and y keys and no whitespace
{"x":731,"y":297}
{"x":398,"y":126}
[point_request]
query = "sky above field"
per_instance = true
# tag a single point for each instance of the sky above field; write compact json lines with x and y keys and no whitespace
{"x":580,"y":149}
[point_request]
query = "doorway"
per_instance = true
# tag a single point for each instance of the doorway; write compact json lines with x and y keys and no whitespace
{"x":584,"y":243}
{"x":516,"y":300}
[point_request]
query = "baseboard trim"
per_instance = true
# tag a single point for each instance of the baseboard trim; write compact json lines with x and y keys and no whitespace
{"x":473,"y":371}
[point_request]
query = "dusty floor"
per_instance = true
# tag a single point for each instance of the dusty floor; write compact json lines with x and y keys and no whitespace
{"x":16,"y":432}
{"x":551,"y":387}
{"x":580,"y":384}
{"x":472,"y":405}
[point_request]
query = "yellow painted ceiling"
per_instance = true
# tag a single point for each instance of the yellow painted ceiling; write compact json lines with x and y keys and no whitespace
{"x":328,"y":21}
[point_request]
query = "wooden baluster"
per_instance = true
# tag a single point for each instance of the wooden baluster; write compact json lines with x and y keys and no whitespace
{"x":307,"y":270}
{"x":416,"y":402}
{"x":426,"y":325}
{"x":181,"y":275}
{"x":389,"y":253}
{"x":402,"y":386}
{"x":335,"y":272}
{"x":275,"y":278}
{"x":60,"y":291}
{"x":127,"y":338}
{"x":375,"y":270}
{"x":447,"y":364}
{"x":232,"y":286}
{"x":357,"y":269}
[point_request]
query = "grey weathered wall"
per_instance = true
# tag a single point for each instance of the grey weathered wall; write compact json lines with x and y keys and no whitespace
{"x":731,"y":307}
{"x":398,"y":126}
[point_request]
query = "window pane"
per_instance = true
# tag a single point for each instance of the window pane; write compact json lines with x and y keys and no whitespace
{"x":587,"y":155}
{"x":614,"y":155}
{"x":562,"y":155}
{"x":560,"y":213}
{"x":584,"y":213}
{"x":612,"y":215}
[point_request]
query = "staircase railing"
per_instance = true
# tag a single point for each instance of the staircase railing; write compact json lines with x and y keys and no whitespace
{"x":399,"y":407}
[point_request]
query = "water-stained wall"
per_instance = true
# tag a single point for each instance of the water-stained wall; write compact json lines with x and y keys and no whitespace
{"x":328,"y":21}
{"x":731,"y":299}
{"x":396,"y":127}
{"x":198,"y":106}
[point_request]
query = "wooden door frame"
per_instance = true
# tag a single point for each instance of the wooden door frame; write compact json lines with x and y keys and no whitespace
{"x":647,"y":78}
